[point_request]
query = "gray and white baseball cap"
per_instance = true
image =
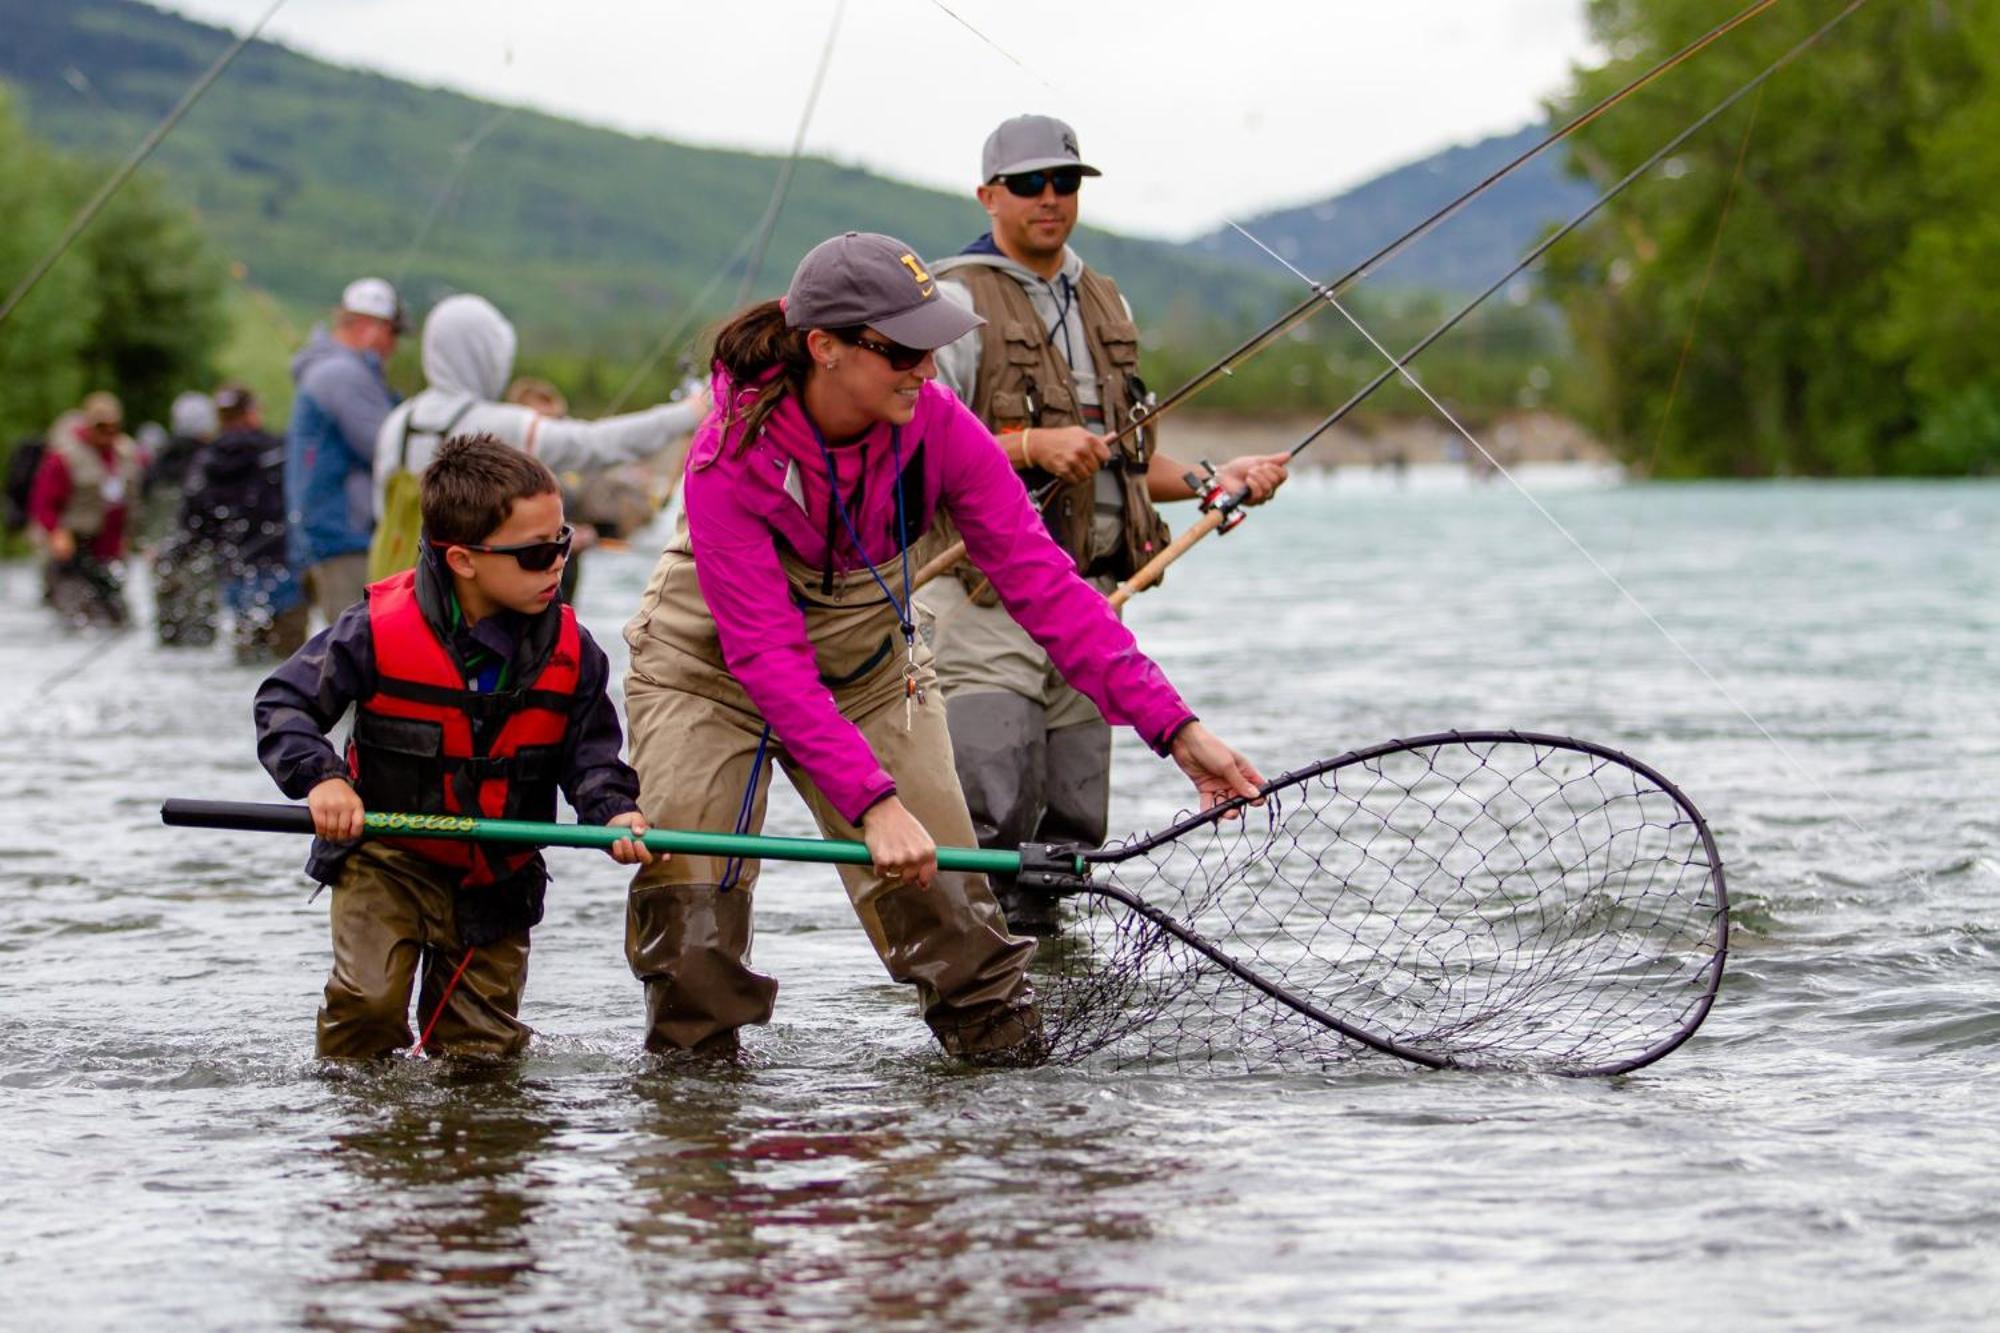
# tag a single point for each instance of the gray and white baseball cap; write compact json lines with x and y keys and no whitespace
{"x":864,"y":277}
{"x":1030,"y":143}
{"x":376,"y":298}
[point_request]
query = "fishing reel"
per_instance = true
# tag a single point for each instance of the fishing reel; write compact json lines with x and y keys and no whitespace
{"x":1207,"y":485}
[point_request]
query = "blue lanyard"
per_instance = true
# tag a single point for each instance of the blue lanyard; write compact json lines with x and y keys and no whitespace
{"x":902,"y":605}
{"x":733,"y":869}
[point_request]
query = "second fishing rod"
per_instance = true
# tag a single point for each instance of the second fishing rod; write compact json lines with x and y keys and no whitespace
{"x":1222,"y":510}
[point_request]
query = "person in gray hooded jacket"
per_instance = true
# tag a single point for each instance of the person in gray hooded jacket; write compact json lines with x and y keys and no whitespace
{"x":468,"y":357}
{"x":1053,"y":372}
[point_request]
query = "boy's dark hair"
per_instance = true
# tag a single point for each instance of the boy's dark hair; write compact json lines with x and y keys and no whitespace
{"x":472,"y":484}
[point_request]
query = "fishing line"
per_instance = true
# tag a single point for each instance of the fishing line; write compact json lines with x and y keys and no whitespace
{"x":1310,"y":306}
{"x":1144,"y":577}
{"x":753,"y":244}
{"x":1009,"y":56}
{"x":1326,"y":293}
{"x":1680,"y":366}
{"x":1401,"y":367}
{"x":449,"y":190}
{"x":1307,"y":308}
{"x":131,"y":164}
{"x":784,"y":185}
{"x":1701,"y":292}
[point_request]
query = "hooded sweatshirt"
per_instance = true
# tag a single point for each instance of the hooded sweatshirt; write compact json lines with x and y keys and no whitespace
{"x":468,"y":357}
{"x":1061,"y":309}
{"x":1055,"y":300}
{"x":330,"y":446}
{"x":745,"y":505}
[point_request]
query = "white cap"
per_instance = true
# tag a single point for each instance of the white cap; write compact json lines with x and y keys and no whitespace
{"x":193,"y":415}
{"x":376,"y":298}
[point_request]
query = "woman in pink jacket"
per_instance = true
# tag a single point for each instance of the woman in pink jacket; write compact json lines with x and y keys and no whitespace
{"x":778,"y":625}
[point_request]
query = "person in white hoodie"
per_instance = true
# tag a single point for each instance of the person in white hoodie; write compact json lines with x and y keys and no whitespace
{"x":468,"y":357}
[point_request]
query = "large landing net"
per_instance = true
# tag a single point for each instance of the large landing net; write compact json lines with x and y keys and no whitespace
{"x":1492,"y":899}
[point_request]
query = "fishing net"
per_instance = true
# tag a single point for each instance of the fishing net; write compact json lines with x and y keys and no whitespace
{"x":1473,"y":899}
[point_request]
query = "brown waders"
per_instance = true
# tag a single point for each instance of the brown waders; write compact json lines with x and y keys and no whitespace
{"x":1033,"y":753}
{"x":694,"y":738}
{"x":392,"y":917}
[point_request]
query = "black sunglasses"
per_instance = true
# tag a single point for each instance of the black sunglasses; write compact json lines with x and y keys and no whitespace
{"x":531,"y":556}
{"x":1030,"y":184}
{"x":899,"y":357}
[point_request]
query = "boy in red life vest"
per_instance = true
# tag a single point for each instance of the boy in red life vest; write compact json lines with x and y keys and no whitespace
{"x":475,"y":692}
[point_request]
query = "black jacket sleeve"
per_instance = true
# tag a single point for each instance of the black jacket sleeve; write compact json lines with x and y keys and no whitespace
{"x":597,"y":782}
{"x":300,"y":702}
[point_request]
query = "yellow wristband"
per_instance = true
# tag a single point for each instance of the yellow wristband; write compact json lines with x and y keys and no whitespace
{"x":1027,"y":455}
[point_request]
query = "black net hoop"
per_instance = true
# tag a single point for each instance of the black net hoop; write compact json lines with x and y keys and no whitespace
{"x":1482,"y":899}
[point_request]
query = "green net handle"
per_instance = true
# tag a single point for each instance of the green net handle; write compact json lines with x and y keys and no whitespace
{"x":755,"y":845}
{"x":274,"y":818}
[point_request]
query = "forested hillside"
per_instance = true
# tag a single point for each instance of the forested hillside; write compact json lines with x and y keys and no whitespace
{"x":307,"y":174}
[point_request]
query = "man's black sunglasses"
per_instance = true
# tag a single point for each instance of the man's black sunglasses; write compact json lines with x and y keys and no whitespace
{"x":1030,"y":184}
{"x":899,"y":357}
{"x":531,"y":556}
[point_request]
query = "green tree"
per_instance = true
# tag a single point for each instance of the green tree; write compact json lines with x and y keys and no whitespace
{"x":41,"y":345}
{"x":1946,"y":288}
{"x":136,"y":305}
{"x":159,"y":289}
{"x":1791,"y":367}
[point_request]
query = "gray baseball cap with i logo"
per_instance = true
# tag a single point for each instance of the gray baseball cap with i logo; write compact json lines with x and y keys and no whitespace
{"x":864,"y":277}
{"x":1030,"y":143}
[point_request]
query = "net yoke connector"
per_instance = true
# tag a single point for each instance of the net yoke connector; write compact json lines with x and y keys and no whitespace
{"x":1052,"y":867}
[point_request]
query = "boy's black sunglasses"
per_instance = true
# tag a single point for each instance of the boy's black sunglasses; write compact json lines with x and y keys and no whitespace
{"x":899,"y":357}
{"x":531,"y":556}
{"x":1030,"y":184}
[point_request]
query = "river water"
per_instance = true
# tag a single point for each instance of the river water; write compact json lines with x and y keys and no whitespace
{"x":1821,"y":1155}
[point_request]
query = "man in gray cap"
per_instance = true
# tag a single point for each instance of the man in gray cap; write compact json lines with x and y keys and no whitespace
{"x":1054,"y":374}
{"x":341,"y":401}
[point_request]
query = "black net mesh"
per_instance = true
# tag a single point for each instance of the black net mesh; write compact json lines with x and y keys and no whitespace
{"x":1478,"y":899}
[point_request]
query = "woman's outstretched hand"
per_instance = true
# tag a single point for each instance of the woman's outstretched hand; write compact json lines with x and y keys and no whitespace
{"x":902,"y":849}
{"x":1219,"y":772}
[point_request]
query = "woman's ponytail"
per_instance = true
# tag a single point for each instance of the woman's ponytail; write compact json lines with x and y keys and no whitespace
{"x":749,"y":348}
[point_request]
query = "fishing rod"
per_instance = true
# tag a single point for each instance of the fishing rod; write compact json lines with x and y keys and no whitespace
{"x":1222,"y":511}
{"x":1318,"y":916}
{"x":1311,"y":306}
{"x":1146,"y":415}
{"x":131,"y":164}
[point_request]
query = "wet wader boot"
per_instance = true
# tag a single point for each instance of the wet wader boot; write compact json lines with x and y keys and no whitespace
{"x":392,"y":917}
{"x":694,"y":736}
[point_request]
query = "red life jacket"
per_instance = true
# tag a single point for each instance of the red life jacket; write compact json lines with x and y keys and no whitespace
{"x":425,"y":743}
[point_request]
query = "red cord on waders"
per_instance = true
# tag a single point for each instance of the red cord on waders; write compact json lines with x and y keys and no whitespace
{"x":424,"y":1040}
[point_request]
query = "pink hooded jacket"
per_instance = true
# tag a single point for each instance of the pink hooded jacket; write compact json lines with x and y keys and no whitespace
{"x":743,"y":504}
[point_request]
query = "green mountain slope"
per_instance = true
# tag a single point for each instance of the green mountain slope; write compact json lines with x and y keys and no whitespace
{"x":308,"y":174}
{"x":1330,"y":236}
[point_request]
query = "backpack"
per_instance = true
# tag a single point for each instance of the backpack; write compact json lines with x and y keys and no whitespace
{"x":399,"y":527}
{"x":23,"y":461}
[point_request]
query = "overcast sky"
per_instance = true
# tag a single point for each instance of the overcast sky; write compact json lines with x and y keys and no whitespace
{"x":1195,"y":112}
